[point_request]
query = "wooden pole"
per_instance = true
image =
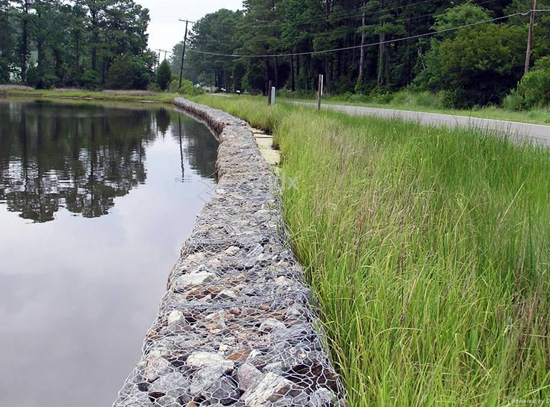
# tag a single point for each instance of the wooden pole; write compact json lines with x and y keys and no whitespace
{"x":269,"y":86}
{"x":530,"y":38}
{"x":183,"y":53}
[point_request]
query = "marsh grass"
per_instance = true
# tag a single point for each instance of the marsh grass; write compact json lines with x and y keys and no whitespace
{"x":429,"y":253}
{"x":108,"y":95}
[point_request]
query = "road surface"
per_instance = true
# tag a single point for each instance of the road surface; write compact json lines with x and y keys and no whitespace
{"x":517,"y":131}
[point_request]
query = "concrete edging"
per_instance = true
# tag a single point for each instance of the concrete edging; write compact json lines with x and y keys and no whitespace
{"x":235,"y":327}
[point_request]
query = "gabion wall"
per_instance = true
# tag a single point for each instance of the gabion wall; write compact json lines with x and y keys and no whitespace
{"x":234,"y":327}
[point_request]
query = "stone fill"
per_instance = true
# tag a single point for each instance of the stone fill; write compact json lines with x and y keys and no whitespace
{"x":235,"y":327}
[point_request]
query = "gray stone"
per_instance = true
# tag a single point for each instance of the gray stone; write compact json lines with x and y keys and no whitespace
{"x":199,"y":360}
{"x":225,"y":391}
{"x":212,"y":384}
{"x":275,"y":367}
{"x":270,"y":388}
{"x":204,"y":379}
{"x":247,"y":375}
{"x":167,"y":401}
{"x":173,"y":384}
{"x":271,"y":324}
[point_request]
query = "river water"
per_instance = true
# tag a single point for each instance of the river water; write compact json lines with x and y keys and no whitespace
{"x":95,"y":202}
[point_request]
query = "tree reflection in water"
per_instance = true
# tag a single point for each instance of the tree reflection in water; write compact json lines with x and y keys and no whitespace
{"x":82,"y":156}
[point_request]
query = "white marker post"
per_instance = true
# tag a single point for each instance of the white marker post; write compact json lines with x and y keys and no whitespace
{"x":273,"y":90}
{"x":320,"y":91}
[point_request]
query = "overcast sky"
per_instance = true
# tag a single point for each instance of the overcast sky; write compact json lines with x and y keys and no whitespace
{"x":165,"y":30}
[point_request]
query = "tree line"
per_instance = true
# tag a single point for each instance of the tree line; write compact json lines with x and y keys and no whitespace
{"x":379,"y":46}
{"x":81,"y":43}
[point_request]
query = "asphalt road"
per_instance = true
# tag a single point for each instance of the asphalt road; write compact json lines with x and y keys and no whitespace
{"x":517,"y":131}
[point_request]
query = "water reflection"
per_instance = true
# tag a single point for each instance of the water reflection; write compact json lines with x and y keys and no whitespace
{"x":82,"y":157}
{"x":78,"y":294}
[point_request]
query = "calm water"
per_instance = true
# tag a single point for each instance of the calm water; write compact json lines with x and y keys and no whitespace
{"x":95,"y":202}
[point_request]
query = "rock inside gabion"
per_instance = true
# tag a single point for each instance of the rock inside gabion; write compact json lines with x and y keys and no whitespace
{"x":235,"y":327}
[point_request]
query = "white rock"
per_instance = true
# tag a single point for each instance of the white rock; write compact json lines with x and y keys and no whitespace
{"x":231,"y":251}
{"x":193,"y":279}
{"x":267,"y":390}
{"x":196,"y":258}
{"x":282,"y":281}
{"x":175,"y":316}
{"x":200,"y":360}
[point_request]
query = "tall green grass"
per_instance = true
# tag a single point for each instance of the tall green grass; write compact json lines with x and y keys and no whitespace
{"x":429,"y":252}
{"x":253,"y":109}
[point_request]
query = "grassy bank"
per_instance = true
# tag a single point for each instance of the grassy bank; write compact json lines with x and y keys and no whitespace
{"x":116,"y":96}
{"x":432,"y":103}
{"x":428,"y":250}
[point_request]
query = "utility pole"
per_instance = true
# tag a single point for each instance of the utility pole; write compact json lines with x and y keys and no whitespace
{"x":530,"y":38}
{"x":183,"y":53}
{"x":160,"y":51}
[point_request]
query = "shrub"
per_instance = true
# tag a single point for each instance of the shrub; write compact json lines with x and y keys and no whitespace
{"x":187,"y":88}
{"x":128,"y":72}
{"x":91,"y":80}
{"x":535,"y":89}
{"x":153,"y":87}
{"x":173,"y":87}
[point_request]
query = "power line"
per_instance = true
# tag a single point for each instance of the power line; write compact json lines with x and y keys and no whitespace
{"x":360,"y":46}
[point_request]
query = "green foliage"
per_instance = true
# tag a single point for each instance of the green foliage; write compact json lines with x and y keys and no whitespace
{"x":463,"y":14}
{"x":4,"y":70}
{"x":188,"y":89}
{"x":482,"y":64}
{"x":454,"y":61}
{"x":174,"y":85}
{"x":542,"y":64}
{"x":91,"y":80}
{"x":254,"y":80}
{"x":164,"y":75}
{"x":128,"y":72}
{"x":532,"y":91}
{"x":32,"y":77}
{"x":68,"y":38}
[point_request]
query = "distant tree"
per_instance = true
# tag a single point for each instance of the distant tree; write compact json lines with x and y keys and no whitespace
{"x":464,"y":14}
{"x":128,"y":72}
{"x":164,"y":75}
{"x":482,"y":64}
{"x":432,"y":77}
{"x":6,"y":42}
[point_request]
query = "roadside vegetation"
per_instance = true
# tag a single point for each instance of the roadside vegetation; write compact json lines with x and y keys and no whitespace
{"x":425,"y":101}
{"x":428,"y":251}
